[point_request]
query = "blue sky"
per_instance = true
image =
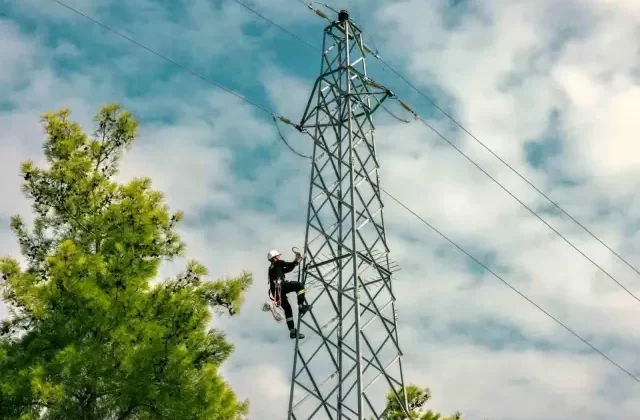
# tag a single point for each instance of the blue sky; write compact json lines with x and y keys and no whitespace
{"x":550,"y":88}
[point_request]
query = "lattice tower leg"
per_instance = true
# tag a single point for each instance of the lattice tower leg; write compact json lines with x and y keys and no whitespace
{"x":350,"y":358}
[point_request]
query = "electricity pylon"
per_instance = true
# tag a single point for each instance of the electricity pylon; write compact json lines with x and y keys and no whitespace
{"x":350,"y":357}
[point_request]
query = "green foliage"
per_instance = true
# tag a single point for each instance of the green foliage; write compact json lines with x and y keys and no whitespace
{"x":90,"y":335}
{"x":416,"y":399}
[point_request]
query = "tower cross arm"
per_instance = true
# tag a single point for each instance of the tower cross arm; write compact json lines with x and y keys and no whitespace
{"x":366,"y":97}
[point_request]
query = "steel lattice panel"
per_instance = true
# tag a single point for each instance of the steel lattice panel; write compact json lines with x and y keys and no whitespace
{"x":343,"y":370}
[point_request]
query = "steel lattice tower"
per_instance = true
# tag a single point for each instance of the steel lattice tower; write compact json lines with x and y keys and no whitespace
{"x":350,"y":357}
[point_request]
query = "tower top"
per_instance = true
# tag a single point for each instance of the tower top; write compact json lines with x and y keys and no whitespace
{"x":343,"y":15}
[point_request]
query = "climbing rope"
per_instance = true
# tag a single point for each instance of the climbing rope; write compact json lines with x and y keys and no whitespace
{"x":275,"y":310}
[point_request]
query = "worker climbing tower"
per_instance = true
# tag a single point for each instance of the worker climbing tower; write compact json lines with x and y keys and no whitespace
{"x":350,"y":358}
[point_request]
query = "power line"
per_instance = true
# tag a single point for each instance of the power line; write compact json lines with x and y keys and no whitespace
{"x":513,"y":288}
{"x":433,"y":103}
{"x":530,"y":209}
{"x":515,"y":171}
{"x":484,"y":266}
{"x":470,"y":255}
{"x":634,"y":296}
{"x":276,"y":25}
{"x":198,"y":75}
{"x":275,"y":121}
{"x":468,"y":132}
{"x":387,"y":193}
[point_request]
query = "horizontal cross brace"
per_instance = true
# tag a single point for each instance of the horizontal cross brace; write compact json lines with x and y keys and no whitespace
{"x":312,"y":266}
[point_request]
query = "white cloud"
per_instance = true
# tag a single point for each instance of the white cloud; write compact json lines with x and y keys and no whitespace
{"x":14,"y":51}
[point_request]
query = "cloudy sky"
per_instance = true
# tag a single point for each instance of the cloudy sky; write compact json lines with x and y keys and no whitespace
{"x":552,"y":87}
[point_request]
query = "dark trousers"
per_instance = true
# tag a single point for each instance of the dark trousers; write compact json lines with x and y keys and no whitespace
{"x":285,"y":288}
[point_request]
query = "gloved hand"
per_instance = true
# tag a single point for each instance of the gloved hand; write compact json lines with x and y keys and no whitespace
{"x":298,"y":254}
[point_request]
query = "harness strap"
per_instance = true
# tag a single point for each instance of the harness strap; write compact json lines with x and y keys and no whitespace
{"x":277,"y":298}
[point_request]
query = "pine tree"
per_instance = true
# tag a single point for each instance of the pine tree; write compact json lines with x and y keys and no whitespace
{"x":90,"y":334}
{"x":416,"y":400}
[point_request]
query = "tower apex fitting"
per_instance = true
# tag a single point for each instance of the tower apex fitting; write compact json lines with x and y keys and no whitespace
{"x":343,"y":15}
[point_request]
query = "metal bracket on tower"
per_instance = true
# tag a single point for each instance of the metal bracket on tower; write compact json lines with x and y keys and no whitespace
{"x":343,"y":16}
{"x":351,"y":356}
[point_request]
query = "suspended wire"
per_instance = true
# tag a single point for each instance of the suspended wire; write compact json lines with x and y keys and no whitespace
{"x":387,"y":193}
{"x":484,"y":266}
{"x":198,"y":75}
{"x":309,"y":5}
{"x":175,"y":63}
{"x":634,"y":377}
{"x":487,"y":148}
{"x":394,"y":115}
{"x":529,"y":208}
{"x":478,"y":261}
{"x":510,"y":167}
{"x":276,"y":25}
{"x":275,"y":121}
{"x":634,"y":296}
{"x":384,"y":107}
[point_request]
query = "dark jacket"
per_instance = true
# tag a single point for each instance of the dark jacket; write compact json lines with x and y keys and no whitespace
{"x":279,"y":268}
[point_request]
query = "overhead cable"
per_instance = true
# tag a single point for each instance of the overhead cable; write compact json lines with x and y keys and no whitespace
{"x":515,"y":171}
{"x":275,"y":24}
{"x":633,"y":295}
{"x":610,"y":276}
{"x":198,"y":75}
{"x":553,"y":203}
{"x":477,"y":261}
{"x":387,"y":193}
{"x":164,"y":57}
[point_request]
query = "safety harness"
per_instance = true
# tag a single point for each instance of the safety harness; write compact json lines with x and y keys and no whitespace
{"x":277,"y":297}
{"x":275,"y":304}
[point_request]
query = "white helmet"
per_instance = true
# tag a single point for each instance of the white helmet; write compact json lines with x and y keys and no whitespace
{"x":273,"y":253}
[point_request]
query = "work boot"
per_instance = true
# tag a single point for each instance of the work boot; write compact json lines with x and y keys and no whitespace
{"x":292,"y":334}
{"x":304,"y":308}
